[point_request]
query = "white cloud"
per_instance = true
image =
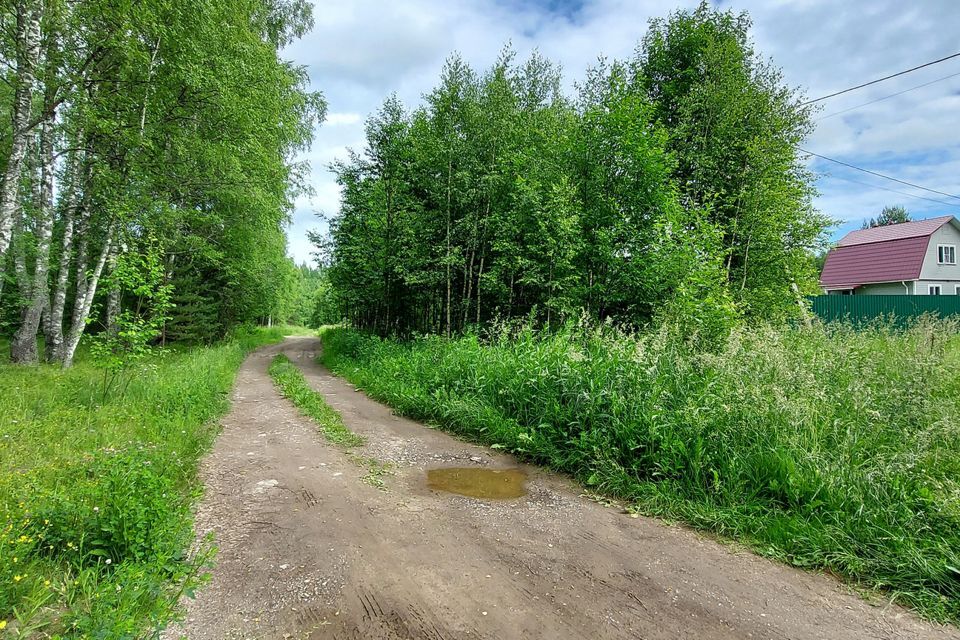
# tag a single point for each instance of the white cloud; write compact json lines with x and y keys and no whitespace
{"x":362,"y":50}
{"x":336,"y":119}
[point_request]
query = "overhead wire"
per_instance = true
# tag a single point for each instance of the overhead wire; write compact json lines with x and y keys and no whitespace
{"x":892,"y":75}
{"x":880,"y":175}
{"x":892,"y":95}
{"x":876,"y":186}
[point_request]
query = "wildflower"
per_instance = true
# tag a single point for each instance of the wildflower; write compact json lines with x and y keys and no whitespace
{"x":46,"y":583}
{"x":17,"y":578}
{"x":96,"y":509}
{"x":109,"y":561}
{"x":3,"y":625}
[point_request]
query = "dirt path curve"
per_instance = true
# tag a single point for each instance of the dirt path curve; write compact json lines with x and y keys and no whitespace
{"x":311,"y":550}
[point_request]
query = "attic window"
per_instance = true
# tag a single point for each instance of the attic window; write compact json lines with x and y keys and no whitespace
{"x":946,"y":254}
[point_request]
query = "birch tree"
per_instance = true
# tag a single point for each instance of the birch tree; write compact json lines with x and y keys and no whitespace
{"x":28,"y":14}
{"x":178,"y":122}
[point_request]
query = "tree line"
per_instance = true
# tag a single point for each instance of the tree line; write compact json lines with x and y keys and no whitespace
{"x":146,"y":152}
{"x":667,"y":186}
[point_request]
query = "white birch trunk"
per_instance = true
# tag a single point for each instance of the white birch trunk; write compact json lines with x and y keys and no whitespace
{"x":82,"y":307}
{"x":23,"y":348}
{"x":20,"y":259}
{"x":28,"y":52}
{"x":59,"y":298}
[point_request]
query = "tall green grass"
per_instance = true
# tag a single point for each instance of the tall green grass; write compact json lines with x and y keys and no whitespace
{"x":827,"y":448}
{"x":95,"y":495}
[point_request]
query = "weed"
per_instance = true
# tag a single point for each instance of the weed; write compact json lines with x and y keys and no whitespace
{"x":376,"y":470}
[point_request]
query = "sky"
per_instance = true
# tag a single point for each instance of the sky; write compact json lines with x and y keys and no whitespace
{"x":361,"y":51}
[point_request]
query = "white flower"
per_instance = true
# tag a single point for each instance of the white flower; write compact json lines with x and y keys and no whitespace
{"x":109,"y":561}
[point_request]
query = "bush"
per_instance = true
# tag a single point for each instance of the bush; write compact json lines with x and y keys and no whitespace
{"x":825,"y":447}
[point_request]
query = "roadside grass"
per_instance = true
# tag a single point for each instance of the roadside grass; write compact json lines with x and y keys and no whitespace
{"x":96,"y":494}
{"x":828,"y":447}
{"x":292,"y":385}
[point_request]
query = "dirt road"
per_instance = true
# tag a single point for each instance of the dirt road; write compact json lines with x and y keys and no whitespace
{"x":312,"y":548}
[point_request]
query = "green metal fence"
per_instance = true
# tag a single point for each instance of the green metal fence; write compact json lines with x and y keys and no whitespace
{"x":860,"y":309}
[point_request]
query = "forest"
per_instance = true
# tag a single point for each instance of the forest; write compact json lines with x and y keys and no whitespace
{"x":149,"y":163}
{"x":667,"y":188}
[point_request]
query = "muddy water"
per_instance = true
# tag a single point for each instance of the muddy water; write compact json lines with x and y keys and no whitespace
{"x":496,"y":484}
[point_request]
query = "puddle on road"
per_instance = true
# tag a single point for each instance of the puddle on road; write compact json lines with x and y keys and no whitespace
{"x":496,"y":484}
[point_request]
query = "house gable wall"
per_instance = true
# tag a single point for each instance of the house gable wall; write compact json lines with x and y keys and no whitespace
{"x":947,"y":287}
{"x":931,"y":270}
{"x":885,"y":289}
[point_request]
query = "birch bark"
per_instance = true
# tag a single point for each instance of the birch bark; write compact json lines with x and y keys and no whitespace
{"x":23,"y":348}
{"x":28,"y":52}
{"x":58,"y":299}
{"x":84,"y":302}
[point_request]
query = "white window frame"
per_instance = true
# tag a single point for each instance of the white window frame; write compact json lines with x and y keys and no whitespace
{"x":931,"y":287}
{"x":942,"y":254}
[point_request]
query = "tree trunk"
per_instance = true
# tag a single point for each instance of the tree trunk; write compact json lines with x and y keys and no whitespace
{"x":113,"y":294}
{"x":479,"y":277}
{"x":19,"y":251}
{"x":58,"y":300}
{"x":449,"y":177}
{"x":23,"y":348}
{"x":82,"y":306}
{"x":28,"y":52}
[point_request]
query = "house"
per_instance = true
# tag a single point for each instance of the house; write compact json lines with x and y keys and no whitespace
{"x":911,"y":258}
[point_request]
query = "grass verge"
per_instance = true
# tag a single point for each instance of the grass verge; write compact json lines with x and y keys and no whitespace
{"x":292,"y":385}
{"x":96,"y":494}
{"x":824,"y":448}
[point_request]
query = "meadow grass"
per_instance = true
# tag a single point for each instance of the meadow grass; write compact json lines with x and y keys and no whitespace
{"x":293,"y":386}
{"x":826,"y":448}
{"x":96,"y":493}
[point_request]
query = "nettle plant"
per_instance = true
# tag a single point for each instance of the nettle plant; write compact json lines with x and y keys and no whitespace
{"x":141,"y":303}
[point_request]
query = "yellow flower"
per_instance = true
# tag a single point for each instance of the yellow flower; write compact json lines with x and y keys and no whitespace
{"x":3,"y":624}
{"x":46,"y":583}
{"x":17,"y":578}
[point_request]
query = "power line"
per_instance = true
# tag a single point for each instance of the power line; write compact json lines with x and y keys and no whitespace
{"x":892,"y":95}
{"x":867,"y":84}
{"x":876,"y":186}
{"x":879,"y":175}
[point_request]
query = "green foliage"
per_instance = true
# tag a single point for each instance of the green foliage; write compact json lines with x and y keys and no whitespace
{"x":888,"y":215}
{"x":134,"y":331}
{"x":179,"y":124}
{"x":96,"y":493}
{"x":734,"y":126}
{"x":502,"y":198}
{"x":822,"y":447}
{"x":292,"y":385}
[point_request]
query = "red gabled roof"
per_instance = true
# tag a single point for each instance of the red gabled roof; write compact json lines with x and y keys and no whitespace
{"x":894,"y":231}
{"x":893,"y":253}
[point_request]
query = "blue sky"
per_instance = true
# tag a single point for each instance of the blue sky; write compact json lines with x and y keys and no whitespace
{"x":362,"y":50}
